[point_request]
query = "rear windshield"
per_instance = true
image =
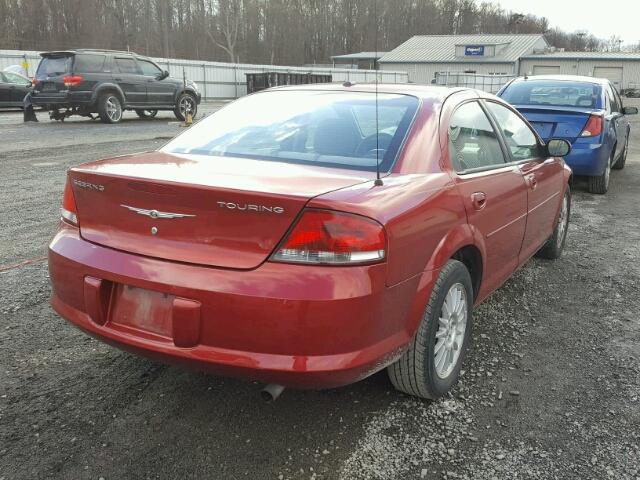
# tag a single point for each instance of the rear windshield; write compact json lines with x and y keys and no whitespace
{"x":334,"y":129}
{"x":54,"y":66}
{"x":554,"y":93}
{"x":89,"y":63}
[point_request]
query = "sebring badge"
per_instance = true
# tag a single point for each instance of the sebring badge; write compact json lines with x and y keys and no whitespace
{"x":155,"y":213}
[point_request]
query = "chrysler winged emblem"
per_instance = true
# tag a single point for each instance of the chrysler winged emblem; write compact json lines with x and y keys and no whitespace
{"x":155,"y":213}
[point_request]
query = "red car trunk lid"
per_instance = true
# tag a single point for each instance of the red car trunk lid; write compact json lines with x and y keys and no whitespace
{"x":223,"y":212}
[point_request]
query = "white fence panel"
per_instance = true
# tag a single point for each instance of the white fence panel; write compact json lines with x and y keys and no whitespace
{"x":223,"y":80}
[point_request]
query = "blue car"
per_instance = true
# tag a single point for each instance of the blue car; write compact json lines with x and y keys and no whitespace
{"x":585,"y":111}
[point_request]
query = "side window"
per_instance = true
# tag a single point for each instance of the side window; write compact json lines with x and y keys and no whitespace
{"x":519,"y":137}
{"x":15,"y":79}
{"x":615,"y":105}
{"x":472,"y":141}
{"x":148,"y":68}
{"x":616,"y":96}
{"x":127,"y":65}
{"x":88,"y":63}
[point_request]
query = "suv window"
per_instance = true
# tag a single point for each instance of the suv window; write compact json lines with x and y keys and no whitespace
{"x":89,"y":63}
{"x":127,"y":65}
{"x":473,"y":142}
{"x":149,"y":68}
{"x":520,"y":139}
{"x":54,"y":66}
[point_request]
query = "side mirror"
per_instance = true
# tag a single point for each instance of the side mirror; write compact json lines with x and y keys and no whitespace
{"x":630,"y":111}
{"x":558,"y":147}
{"x":163,"y":75}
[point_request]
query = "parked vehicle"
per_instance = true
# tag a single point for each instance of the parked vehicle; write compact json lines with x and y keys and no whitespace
{"x":106,"y":82}
{"x":585,"y":111}
{"x":13,"y":89}
{"x":260,"y":244}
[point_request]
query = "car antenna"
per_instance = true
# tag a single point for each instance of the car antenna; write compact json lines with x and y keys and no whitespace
{"x":378,"y":181}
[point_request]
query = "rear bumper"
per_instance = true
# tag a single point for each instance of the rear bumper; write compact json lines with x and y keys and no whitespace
{"x":299,"y":326}
{"x":64,"y":99}
{"x":587,"y":157}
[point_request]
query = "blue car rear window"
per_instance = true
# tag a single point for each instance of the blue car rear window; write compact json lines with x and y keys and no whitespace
{"x":553,"y":93}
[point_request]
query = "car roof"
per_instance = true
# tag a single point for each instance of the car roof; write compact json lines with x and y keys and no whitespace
{"x":564,"y":78}
{"x":432,"y":93}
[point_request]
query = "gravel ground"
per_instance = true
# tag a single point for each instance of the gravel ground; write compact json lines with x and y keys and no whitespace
{"x":551,"y":387}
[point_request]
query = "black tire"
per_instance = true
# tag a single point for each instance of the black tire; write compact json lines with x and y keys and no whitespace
{"x":619,"y":165}
{"x":107,"y":102}
{"x":179,"y":110}
{"x":555,"y":244}
{"x":600,"y":184}
{"x":415,"y":372}
{"x":146,"y":113}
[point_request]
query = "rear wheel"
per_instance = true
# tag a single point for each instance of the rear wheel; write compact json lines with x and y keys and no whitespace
{"x":146,"y":113}
{"x":554,"y":246}
{"x":186,"y":105}
{"x":110,"y":108}
{"x":600,"y":184}
{"x":431,"y":365}
{"x":619,"y":165}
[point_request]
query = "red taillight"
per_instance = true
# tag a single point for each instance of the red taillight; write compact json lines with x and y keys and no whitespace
{"x":34,"y":81}
{"x":593,"y":128}
{"x":69,"y":212}
{"x":327,"y":237}
{"x":72,"y":80}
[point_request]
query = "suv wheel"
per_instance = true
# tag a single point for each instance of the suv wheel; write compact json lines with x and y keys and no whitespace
{"x":431,"y":365}
{"x":146,"y":113}
{"x":110,"y":108}
{"x":185,"y":105}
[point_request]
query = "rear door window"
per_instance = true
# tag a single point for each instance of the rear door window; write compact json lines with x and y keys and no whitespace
{"x":520,"y":139}
{"x":16,"y":79}
{"x":54,"y":66}
{"x":473,"y":143}
{"x":89,"y":63}
{"x":127,"y":65}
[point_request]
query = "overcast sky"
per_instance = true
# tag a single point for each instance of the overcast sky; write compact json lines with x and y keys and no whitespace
{"x":603,"y":18}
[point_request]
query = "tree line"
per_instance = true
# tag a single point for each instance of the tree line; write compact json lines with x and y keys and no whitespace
{"x":281,"y":32}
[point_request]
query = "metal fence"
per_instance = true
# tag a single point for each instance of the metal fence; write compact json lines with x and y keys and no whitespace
{"x":224,"y":80}
{"x":488,"y":83}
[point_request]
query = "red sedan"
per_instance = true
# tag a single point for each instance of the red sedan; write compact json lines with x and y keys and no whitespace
{"x":259,"y":243}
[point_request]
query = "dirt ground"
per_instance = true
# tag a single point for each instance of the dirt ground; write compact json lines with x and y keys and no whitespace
{"x":550,"y":390}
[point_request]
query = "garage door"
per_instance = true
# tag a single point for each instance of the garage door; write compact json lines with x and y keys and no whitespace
{"x":546,"y":69}
{"x":614,"y":74}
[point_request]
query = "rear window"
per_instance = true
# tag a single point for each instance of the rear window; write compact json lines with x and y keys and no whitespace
{"x":553,"y":93}
{"x":88,"y":63}
{"x":54,"y":66}
{"x":334,"y":129}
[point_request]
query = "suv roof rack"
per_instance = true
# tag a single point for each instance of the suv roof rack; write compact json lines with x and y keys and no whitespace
{"x":76,"y":50}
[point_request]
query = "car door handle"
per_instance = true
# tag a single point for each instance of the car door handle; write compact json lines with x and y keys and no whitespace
{"x":531,"y":180}
{"x":479,"y":200}
{"x":118,"y":79}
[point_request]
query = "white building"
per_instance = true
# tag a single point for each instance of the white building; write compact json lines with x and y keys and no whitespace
{"x":623,"y":69}
{"x":423,"y":56}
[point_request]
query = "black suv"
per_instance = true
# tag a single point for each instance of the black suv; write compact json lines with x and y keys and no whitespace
{"x":107,"y":82}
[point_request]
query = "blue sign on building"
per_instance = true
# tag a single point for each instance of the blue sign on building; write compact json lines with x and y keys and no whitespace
{"x":474,"y":50}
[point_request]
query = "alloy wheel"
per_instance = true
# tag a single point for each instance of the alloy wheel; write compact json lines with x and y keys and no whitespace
{"x":452,"y":325}
{"x":186,"y":106}
{"x":563,"y":221}
{"x":113,"y":109}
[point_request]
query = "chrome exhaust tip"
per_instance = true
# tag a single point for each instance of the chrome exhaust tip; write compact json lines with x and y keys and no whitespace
{"x":271,"y":392}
